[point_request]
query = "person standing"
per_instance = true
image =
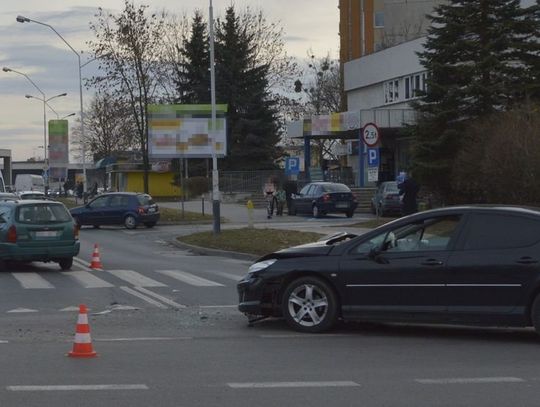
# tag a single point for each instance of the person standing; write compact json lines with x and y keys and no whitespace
{"x":290,"y":188}
{"x":269,"y":191}
{"x":280,"y":201}
{"x":408,"y":189}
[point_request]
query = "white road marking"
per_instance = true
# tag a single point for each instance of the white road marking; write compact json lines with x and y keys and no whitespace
{"x":70,"y":308}
{"x":189,"y":278}
{"x":230,"y":276}
{"x":143,"y":297}
{"x":32,"y":281}
{"x":4,"y":341}
{"x":218,"y":306}
{"x":267,"y":385}
{"x":470,"y":380}
{"x":164,"y":300}
{"x":80,"y":387}
{"x":135,"y":278}
{"x":87,"y":280}
{"x":81,"y":263}
{"x":144,"y":339}
{"x":21,"y":310}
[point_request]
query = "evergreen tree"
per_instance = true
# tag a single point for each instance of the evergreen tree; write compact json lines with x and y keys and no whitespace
{"x":479,"y":55}
{"x":241,"y":83}
{"x":194,"y":85}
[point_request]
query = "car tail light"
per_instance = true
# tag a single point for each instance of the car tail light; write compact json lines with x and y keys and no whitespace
{"x":76,"y":230}
{"x":140,"y":210}
{"x":326,"y":197}
{"x":12,"y":234}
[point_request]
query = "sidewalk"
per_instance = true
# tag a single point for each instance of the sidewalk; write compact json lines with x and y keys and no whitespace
{"x":237,"y":215}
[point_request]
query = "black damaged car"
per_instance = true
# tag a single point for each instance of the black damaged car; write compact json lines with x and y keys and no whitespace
{"x":476,"y":265}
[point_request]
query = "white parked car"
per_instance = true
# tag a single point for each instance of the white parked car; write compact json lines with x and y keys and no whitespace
{"x":32,"y":195}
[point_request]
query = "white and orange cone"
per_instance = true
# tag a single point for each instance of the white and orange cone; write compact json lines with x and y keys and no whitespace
{"x":82,"y":346}
{"x":96,"y":261}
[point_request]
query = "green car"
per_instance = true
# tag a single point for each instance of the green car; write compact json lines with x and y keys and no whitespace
{"x":36,"y":230}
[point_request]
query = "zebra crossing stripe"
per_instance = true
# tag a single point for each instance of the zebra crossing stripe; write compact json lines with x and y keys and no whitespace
{"x":135,"y":278}
{"x":159,"y":297}
{"x":32,"y":281}
{"x":143,"y":297}
{"x":87,"y":280}
{"x":189,"y":278}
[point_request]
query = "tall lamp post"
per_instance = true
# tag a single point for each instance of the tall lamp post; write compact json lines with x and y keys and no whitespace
{"x":215,"y":173}
{"x":45,"y":103}
{"x":22,"y":19}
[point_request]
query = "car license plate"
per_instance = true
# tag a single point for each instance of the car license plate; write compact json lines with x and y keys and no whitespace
{"x":342,"y":204}
{"x":46,"y":233}
{"x":151,"y":210}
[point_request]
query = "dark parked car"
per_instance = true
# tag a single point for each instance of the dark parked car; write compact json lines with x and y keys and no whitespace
{"x":118,"y":208}
{"x":386,"y":199}
{"x":321,"y":198}
{"x":466,"y":265}
{"x":32,"y":230}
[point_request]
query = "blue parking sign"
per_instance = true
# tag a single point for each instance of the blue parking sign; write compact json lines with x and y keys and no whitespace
{"x":373,"y":157}
{"x":292,"y":165}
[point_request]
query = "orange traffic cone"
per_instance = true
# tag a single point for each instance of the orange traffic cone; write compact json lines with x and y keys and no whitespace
{"x":96,"y":262}
{"x":82,"y":346}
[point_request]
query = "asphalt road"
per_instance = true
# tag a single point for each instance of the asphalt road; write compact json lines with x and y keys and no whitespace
{"x":167,"y":332}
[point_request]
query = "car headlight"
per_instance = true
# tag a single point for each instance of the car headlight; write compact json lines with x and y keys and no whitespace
{"x":261,"y":265}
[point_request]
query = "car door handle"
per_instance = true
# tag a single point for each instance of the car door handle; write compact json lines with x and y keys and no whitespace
{"x":432,"y":262}
{"x":526,"y":260}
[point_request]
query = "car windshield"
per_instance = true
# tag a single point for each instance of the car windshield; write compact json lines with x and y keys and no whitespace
{"x":336,"y":188}
{"x":42,"y":213}
{"x":145,"y":200}
{"x":391,"y":187}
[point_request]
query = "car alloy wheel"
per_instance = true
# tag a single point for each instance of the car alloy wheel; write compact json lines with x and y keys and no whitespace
{"x":309,"y":305}
{"x":130,"y":222}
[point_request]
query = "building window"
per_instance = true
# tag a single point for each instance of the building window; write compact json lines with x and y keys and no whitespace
{"x":414,"y":85}
{"x":391,"y":91}
{"x":379,"y":19}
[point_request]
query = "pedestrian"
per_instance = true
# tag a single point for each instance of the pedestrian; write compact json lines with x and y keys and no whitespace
{"x":93,"y":192}
{"x":269,"y":190}
{"x":66,"y":188}
{"x":290,"y":188}
{"x":408,"y":189}
{"x":280,"y":200}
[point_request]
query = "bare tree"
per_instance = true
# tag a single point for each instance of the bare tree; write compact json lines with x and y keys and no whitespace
{"x":130,"y":47}
{"x":108,"y":127}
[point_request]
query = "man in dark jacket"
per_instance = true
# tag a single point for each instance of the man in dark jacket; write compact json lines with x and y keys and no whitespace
{"x":409,"y":189}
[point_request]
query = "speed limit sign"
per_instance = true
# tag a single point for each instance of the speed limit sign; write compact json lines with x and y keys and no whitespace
{"x":370,"y":134}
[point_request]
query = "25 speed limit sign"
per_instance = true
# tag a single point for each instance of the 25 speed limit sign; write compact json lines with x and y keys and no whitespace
{"x":370,"y":134}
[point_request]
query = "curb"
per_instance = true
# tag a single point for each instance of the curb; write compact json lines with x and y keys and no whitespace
{"x":214,"y":252}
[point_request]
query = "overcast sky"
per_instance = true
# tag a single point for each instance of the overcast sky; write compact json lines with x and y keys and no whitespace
{"x":39,"y":53}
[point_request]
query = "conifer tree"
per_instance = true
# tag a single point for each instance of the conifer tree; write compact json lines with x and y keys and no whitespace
{"x":479,"y":55}
{"x":241,"y":83}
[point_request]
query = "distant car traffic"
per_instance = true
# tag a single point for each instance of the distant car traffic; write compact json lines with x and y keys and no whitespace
{"x":118,"y":208}
{"x":386,"y":199}
{"x":36,"y":230}
{"x":467,"y":265}
{"x":321,"y":198}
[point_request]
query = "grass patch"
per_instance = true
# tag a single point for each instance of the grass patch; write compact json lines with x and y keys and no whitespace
{"x":175,"y":215}
{"x":249,"y":240}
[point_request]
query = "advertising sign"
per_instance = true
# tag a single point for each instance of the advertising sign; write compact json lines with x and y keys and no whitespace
{"x":58,"y":149}
{"x":176,"y":131}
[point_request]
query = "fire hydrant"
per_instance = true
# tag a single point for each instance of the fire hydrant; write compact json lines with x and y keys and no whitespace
{"x":250,"y":213}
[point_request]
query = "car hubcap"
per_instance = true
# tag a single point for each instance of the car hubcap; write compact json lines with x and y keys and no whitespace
{"x":130,"y":221}
{"x":315,"y":212}
{"x":308,"y":305}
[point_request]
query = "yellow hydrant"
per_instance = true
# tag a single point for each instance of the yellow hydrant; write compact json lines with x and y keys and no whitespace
{"x":250,"y":213}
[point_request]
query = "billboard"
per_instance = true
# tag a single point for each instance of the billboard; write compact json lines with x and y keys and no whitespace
{"x":176,"y":131}
{"x":58,"y":149}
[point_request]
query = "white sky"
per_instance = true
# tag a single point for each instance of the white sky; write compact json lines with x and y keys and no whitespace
{"x":39,"y":53}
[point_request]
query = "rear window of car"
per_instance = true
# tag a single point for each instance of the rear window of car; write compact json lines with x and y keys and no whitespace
{"x":336,"y":188}
{"x":391,"y":187}
{"x":145,"y":200}
{"x":42,"y":213}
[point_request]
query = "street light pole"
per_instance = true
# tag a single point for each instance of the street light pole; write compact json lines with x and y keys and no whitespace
{"x":22,"y":19}
{"x":46,"y":147}
{"x":215,"y":173}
